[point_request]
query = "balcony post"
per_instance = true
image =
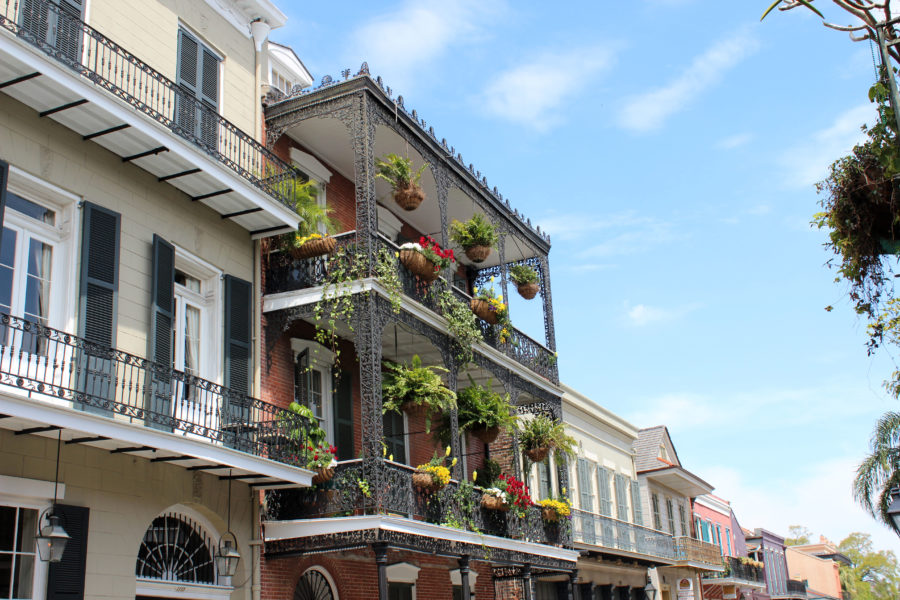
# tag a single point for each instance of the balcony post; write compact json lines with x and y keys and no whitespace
{"x":547,"y":299}
{"x":441,"y":181}
{"x":464,"y":577}
{"x":573,"y":584}
{"x":455,"y":445}
{"x":526,"y":578}
{"x":362,"y":138}
{"x":501,"y":252}
{"x":370,"y":316}
{"x":381,"y":563}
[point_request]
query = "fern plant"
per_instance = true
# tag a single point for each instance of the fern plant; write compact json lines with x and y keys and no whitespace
{"x":398,"y":171}
{"x":482,"y":407}
{"x":407,"y":386}
{"x":543,"y":432}
{"x":477,"y":231}
{"x":523,"y":274}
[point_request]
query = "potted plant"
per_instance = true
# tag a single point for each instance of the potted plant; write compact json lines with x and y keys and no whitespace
{"x":526,"y":280}
{"x":484,"y":412}
{"x":415,"y":388}
{"x":308,"y":241}
{"x":489,"y":306}
{"x":426,"y":259}
{"x":507,"y":493}
{"x":553,"y":509}
{"x":476,"y":236}
{"x":541,"y":434}
{"x":398,"y":171}
{"x":320,"y":458}
{"x":434,"y":474}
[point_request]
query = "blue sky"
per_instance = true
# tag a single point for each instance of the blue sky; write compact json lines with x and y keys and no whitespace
{"x":671,"y":149}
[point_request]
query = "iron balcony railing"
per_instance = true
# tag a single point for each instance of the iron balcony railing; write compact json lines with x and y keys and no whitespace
{"x":795,"y":589}
{"x":735,"y":569}
{"x":606,"y":532}
{"x":285,"y":273}
{"x":56,"y":367}
{"x":688,"y":549}
{"x":453,"y":506}
{"x":57,"y":31}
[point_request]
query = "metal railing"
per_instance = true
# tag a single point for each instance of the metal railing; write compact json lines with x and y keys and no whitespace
{"x":452,"y":506}
{"x":58,"y":32}
{"x":689,"y":549}
{"x":795,"y":589}
{"x":56,"y":367}
{"x":285,"y":273}
{"x":735,"y":569}
{"x":607,"y":532}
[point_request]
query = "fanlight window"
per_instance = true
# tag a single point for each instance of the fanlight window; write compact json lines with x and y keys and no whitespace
{"x":313,"y":586}
{"x":174,"y":548}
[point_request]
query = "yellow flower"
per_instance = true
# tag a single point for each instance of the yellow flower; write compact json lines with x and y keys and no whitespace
{"x":492,"y":279}
{"x":474,"y":475}
{"x":453,"y":462}
{"x":397,"y":254}
{"x":391,"y":457}
{"x":564,"y":491}
{"x":447,"y":452}
{"x":475,"y":290}
{"x":383,"y":450}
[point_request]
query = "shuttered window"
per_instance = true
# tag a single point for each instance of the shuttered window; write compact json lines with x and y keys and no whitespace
{"x":682,"y":517}
{"x":343,"y":414}
{"x":162,"y":300}
{"x":66,"y":578}
{"x":657,"y":520}
{"x":636,"y":505}
{"x":56,"y":23}
{"x":394,"y":438}
{"x":621,"y":498}
{"x":670,"y":515}
{"x":4,"y":178}
{"x":238,"y":331}
{"x":198,"y":79}
{"x":584,"y":486}
{"x":544,"y":486}
{"x":605,"y":496}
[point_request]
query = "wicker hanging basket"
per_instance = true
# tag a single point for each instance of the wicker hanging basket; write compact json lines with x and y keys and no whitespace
{"x":409,"y":197}
{"x":537,"y":455}
{"x":490,"y":502}
{"x":528,"y":290}
{"x":413,"y":410}
{"x":549,"y":515}
{"x":486,"y":434}
{"x":478,"y":254}
{"x":425,"y":482}
{"x":419,"y":266}
{"x":317,"y":247}
{"x":482,"y":309}
{"x":323,"y":474}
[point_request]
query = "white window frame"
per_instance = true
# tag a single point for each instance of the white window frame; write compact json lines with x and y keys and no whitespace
{"x":211,"y":299}
{"x":403,"y":573}
{"x":321,"y":359}
{"x":37,"y":495}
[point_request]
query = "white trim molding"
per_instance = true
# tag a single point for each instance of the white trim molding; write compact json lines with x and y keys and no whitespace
{"x":403,"y":572}
{"x":180,"y":589}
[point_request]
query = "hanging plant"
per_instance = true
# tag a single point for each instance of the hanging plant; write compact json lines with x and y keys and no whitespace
{"x":309,"y":241}
{"x":414,"y":388}
{"x":398,"y":171}
{"x":526,"y":280}
{"x":435,"y":474}
{"x":489,"y":306}
{"x":476,"y":237}
{"x":426,"y":259}
{"x":540,"y":435}
{"x":484,"y":412}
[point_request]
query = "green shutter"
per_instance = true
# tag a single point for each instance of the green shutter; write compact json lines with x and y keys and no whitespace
{"x":621,"y":498}
{"x":302,"y":378}
{"x":544,"y":485}
{"x":657,"y":521}
{"x":238,"y":349}
{"x":162,"y":309}
{"x":343,"y":414}
{"x":605,"y":498}
{"x":4,"y":178}
{"x":65,"y":580}
{"x":584,"y":486}
{"x":636,"y":505}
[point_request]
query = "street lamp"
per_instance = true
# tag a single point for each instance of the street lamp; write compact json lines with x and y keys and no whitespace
{"x":649,"y":590}
{"x":894,"y":509}
{"x":51,"y":539}
{"x":227,"y":558}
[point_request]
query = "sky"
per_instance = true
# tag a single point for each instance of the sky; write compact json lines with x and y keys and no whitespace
{"x":671,"y":149}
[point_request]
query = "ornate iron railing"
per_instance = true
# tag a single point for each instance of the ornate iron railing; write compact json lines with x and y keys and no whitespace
{"x":453,"y":506}
{"x":689,"y":549}
{"x":285,"y":273}
{"x":795,"y":589}
{"x":598,"y":530}
{"x":57,"y":367}
{"x":735,"y":569}
{"x":59,"y":33}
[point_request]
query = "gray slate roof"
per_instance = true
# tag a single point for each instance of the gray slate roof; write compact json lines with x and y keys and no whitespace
{"x":646,"y":448}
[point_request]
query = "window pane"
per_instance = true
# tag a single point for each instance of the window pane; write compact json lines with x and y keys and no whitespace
{"x":5,"y":574}
{"x":7,"y":262}
{"x":23,"y":576}
{"x":37,"y":288}
{"x":27,"y":528}
{"x":315,"y":396}
{"x":31,"y":209}
{"x":7,"y":527}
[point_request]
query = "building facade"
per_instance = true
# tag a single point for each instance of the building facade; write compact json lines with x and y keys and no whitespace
{"x":818,"y":565}
{"x":768,"y":548}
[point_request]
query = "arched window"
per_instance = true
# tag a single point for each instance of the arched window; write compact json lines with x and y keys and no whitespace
{"x":314,"y":585}
{"x":175,"y":548}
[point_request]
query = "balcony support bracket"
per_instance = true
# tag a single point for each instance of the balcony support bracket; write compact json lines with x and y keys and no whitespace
{"x":97,"y":134}
{"x":19,"y":80}
{"x":152,"y":152}
{"x":53,"y":111}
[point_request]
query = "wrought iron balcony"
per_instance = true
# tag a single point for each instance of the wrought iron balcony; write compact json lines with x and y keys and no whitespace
{"x":453,"y":506}
{"x":55,"y":367}
{"x":606,"y":532}
{"x":285,"y":273}
{"x":687,"y":549}
{"x":55,"y":30}
{"x":736,"y":570}
{"x":794,"y":589}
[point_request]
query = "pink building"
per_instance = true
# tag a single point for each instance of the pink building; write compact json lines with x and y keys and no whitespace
{"x":713,"y":523}
{"x":818,"y":566}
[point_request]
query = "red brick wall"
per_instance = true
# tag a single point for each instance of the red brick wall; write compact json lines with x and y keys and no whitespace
{"x":355,"y":575}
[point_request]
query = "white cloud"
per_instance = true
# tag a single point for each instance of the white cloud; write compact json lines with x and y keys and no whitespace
{"x":650,"y":110}
{"x":401,"y":44}
{"x":642,"y":314}
{"x":532,"y":93}
{"x":735,"y":141}
{"x":807,"y":162}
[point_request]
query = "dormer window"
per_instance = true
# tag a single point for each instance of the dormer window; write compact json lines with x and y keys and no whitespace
{"x":663,"y":454}
{"x":281,"y":82}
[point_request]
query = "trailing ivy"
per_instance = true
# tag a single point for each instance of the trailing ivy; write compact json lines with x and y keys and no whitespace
{"x":461,"y":323}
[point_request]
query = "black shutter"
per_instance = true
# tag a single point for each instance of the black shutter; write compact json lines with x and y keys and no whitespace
{"x":69,"y":30}
{"x":343,"y":414}
{"x":162,"y":314}
{"x":394,"y":438}
{"x":302,"y":379}
{"x":4,"y":178}
{"x":209,"y":94}
{"x":187,"y":79}
{"x":98,"y":306}
{"x":66,"y":578}
{"x":238,"y":332}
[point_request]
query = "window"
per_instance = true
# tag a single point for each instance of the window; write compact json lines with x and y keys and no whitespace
{"x":621,"y":498}
{"x":197,"y":100}
{"x":59,"y":24}
{"x":670,"y":515}
{"x":682,"y":518}
{"x":605,"y":498}
{"x":281,"y":82}
{"x":636,"y":505}
{"x":728,"y":540}
{"x":400,"y":591}
{"x":395,"y":436}
{"x":313,"y":382}
{"x":719,"y":537}
{"x":657,"y":519}
{"x":545,"y":487}
{"x":586,"y":497}
{"x":704,"y":525}
{"x":697,"y":523}
{"x":17,"y":551}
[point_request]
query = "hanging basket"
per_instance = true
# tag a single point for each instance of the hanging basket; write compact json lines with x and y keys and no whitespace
{"x":419,"y":266}
{"x":528,"y":290}
{"x":489,"y":502}
{"x":409,"y":197}
{"x":486,"y":434}
{"x":478,"y":254}
{"x":413,"y":410}
{"x":425,"y":482}
{"x":317,"y":247}
{"x":537,"y":455}
{"x":482,"y":309}
{"x":549,"y":515}
{"x":323,"y":475}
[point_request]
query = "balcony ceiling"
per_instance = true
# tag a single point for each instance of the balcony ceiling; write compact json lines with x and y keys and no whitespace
{"x":678,"y":479}
{"x":97,"y":114}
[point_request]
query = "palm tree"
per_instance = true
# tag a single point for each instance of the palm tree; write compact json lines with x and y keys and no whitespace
{"x":880,"y":471}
